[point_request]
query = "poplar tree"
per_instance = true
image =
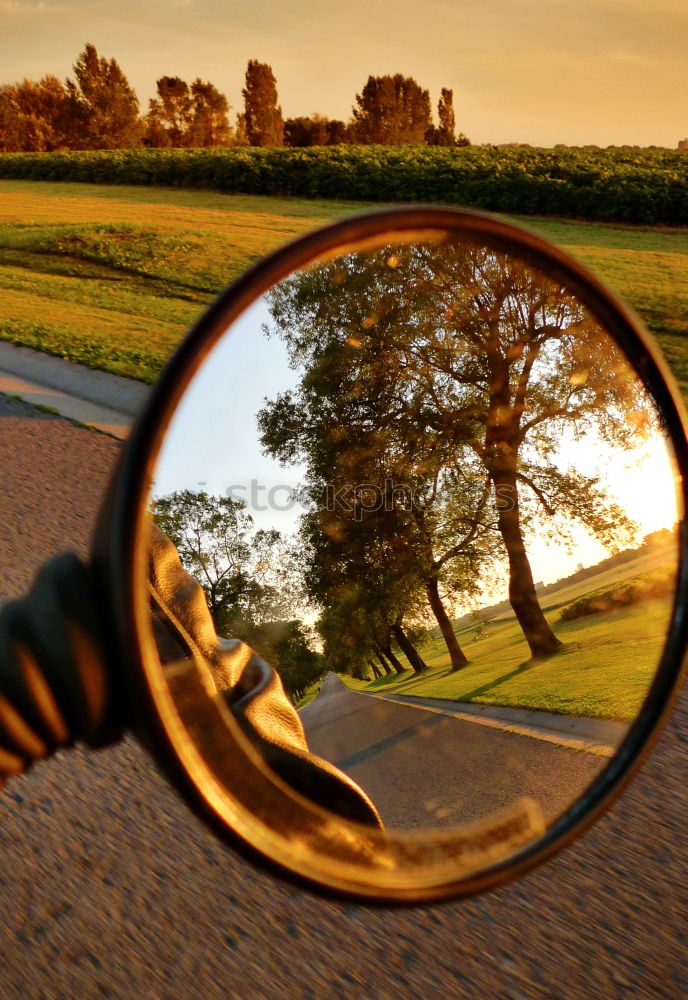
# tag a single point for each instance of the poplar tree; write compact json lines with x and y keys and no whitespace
{"x":446,"y":134}
{"x":103,"y":108}
{"x":262,"y":113}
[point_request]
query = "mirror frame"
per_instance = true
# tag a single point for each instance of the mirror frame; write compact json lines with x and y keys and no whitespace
{"x":258,"y":815}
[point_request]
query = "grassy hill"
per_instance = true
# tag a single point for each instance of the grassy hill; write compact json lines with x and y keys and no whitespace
{"x":591,"y":676}
{"x":114,"y":276}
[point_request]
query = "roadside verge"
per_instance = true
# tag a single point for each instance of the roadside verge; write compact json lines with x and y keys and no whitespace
{"x":110,"y":403}
{"x":597,"y":736}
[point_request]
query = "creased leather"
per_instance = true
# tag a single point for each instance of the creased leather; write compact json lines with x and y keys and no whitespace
{"x":183,"y":627}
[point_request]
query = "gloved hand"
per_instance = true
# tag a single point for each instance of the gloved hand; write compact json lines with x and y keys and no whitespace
{"x":184,"y":629}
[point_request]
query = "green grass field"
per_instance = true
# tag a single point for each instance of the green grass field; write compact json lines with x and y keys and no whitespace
{"x":603,"y":671}
{"x":114,"y":276}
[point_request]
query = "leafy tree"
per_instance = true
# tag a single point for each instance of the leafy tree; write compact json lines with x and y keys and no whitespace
{"x":262,"y":114}
{"x":304,"y":132}
{"x":424,"y":538}
{"x":353,"y":634}
{"x":33,"y":116}
{"x":237,"y":566}
{"x":445,"y":112}
{"x":314,"y":131}
{"x":391,"y":110}
{"x":345,"y":644}
{"x":210,"y":123}
{"x":170,"y":114}
{"x":287,"y":646}
{"x":338,"y":132}
{"x":456,"y":354}
{"x":182,"y":116}
{"x":103,"y":108}
{"x":365,"y":614}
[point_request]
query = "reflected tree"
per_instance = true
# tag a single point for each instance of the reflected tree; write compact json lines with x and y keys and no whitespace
{"x":237,"y":566}
{"x":434,"y":365}
{"x":249,"y":579}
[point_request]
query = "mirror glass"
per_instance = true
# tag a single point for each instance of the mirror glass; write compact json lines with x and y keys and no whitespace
{"x":420,"y":481}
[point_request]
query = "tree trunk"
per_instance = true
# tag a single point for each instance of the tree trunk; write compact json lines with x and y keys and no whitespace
{"x":456,"y":654}
{"x":376,"y":669}
{"x":385,"y":665}
{"x":522,"y":596}
{"x":409,"y":650}
{"x":384,"y":659}
{"x":387,"y":650}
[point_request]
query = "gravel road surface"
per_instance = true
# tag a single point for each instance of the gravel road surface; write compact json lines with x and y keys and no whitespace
{"x":423,"y":769}
{"x":109,"y":888}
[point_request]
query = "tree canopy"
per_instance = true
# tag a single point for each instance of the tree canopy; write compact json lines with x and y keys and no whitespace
{"x":187,"y":116}
{"x":33,"y":116}
{"x":103,"y":108}
{"x":391,"y":110}
{"x":262,"y":113}
{"x":451,"y":370}
{"x":248,"y":579}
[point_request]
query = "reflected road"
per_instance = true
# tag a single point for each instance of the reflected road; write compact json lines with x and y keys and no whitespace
{"x":423,"y":769}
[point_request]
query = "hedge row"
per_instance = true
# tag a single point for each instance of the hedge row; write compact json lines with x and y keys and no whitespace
{"x":625,"y":184}
{"x":656,"y":583}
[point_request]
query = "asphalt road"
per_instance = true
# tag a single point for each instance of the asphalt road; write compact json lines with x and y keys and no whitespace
{"x":109,"y":888}
{"x":422,"y":769}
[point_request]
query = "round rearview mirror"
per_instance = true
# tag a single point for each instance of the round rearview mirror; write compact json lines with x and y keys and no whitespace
{"x":394,"y":565}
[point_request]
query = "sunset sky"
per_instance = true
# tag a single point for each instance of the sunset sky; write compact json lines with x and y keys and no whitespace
{"x":536,"y":71}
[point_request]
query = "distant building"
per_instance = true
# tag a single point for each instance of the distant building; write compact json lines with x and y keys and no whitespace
{"x":683,"y":144}
{"x":540,"y":585}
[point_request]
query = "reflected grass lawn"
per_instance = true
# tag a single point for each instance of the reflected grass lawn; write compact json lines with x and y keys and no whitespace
{"x":603,"y":671}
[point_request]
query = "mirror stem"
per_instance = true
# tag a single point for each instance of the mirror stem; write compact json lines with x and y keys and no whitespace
{"x":56,"y":686}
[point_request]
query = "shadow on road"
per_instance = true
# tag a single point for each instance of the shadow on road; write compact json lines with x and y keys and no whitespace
{"x":382,"y":745}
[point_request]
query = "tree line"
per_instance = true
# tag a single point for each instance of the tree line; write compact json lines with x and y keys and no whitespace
{"x":98,"y":109}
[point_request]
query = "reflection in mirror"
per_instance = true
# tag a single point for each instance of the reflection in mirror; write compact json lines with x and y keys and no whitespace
{"x":425,"y":485}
